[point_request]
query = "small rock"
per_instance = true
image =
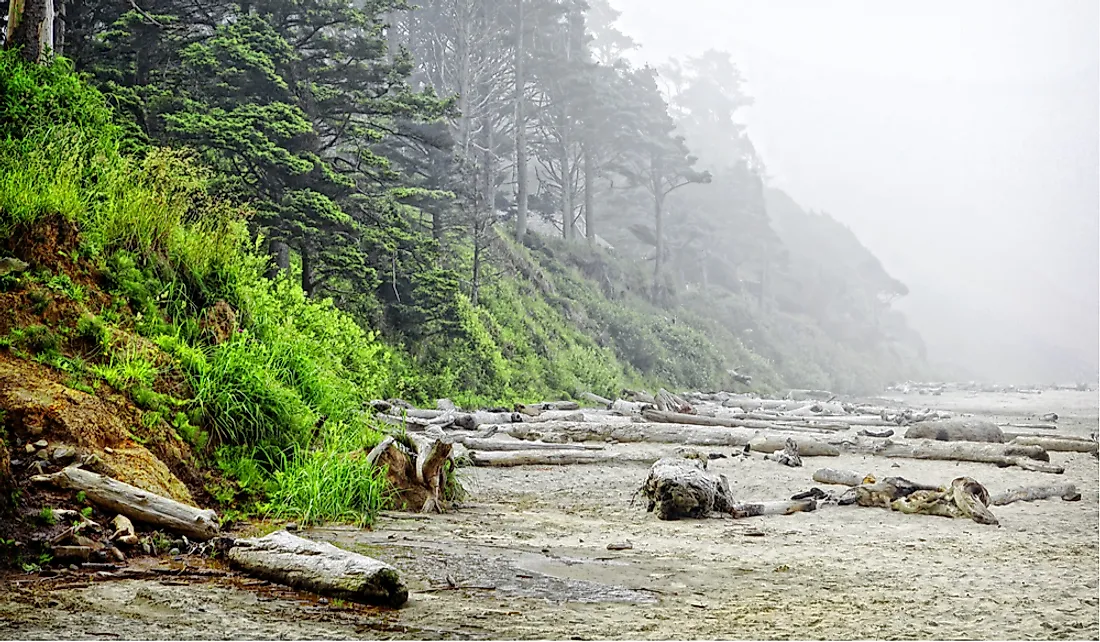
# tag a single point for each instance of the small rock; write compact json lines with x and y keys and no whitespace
{"x":620,"y":546}
{"x":73,"y":567}
{"x":63,"y":454}
{"x":29,"y":449}
{"x":35,"y":431}
{"x":109,"y":451}
{"x":174,"y":552}
{"x":116,"y":554}
{"x":80,"y":540}
{"x":16,"y":462}
{"x":41,"y":443}
{"x":146,"y":547}
{"x":292,"y":526}
{"x":43,"y":454}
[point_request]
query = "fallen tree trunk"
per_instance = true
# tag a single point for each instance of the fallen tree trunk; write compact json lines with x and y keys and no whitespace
{"x":752,"y":403}
{"x":596,"y":399}
{"x":663,"y":417}
{"x":628,"y":408}
{"x":999,"y":454}
{"x":838,"y":477}
{"x":807,"y":447}
{"x":135,"y":503}
{"x":784,"y":507}
{"x":1068,"y":492}
{"x":319,"y":567}
{"x":559,"y":457}
{"x":805,"y":395}
{"x":977,"y":430}
{"x":669,"y":402}
{"x":964,"y":498}
{"x":678,"y":487}
{"x":655,"y":433}
{"x":1035,"y":426}
{"x":1054,"y":444}
{"x":511,"y":444}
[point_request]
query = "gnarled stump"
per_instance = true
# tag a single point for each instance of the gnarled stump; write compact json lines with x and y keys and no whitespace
{"x":678,"y":487}
{"x":419,"y":477}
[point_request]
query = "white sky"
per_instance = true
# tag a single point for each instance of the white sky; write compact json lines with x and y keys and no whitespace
{"x":959,"y":140}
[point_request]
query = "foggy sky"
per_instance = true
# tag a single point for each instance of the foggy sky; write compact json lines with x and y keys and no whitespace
{"x":959,"y":141}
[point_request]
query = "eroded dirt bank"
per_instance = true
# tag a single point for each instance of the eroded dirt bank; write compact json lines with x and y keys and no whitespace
{"x":528,"y":557}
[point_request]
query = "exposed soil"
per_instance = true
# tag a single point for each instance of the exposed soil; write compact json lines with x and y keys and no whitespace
{"x":528,"y":558}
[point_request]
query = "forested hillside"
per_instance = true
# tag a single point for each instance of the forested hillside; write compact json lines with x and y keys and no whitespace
{"x":253,"y":217}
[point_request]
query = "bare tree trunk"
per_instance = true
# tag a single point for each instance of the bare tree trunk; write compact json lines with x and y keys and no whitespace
{"x":280,"y":258}
{"x":566,"y":186}
{"x":589,"y":197}
{"x":61,"y":9}
{"x":31,"y":28}
{"x":659,"y":228}
{"x":521,"y":130}
{"x":307,"y":271}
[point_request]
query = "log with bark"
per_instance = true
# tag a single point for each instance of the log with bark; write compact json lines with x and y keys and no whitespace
{"x":679,"y":487}
{"x":135,"y":503}
{"x":1027,"y":457}
{"x":1068,"y":492}
{"x":417,"y":470}
{"x":319,"y":567}
{"x":557,"y":457}
{"x":1053,"y":444}
{"x":978,"y":430}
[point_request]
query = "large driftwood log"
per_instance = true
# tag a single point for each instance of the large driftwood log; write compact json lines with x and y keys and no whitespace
{"x":628,"y":408}
{"x":964,"y":497}
{"x":639,"y":396}
{"x":752,"y":403}
{"x":804,"y":395}
{"x":559,"y":457}
{"x":511,"y":444}
{"x":319,"y":567}
{"x":978,"y":430}
{"x":667,"y":434}
{"x":838,"y":477}
{"x":596,"y":399}
{"x":999,"y":454}
{"x":135,"y":503}
{"x":1057,"y":445}
{"x":807,"y":447}
{"x":1068,"y":492}
{"x":664,"y":417}
{"x":671,"y":403}
{"x":679,"y":487}
{"x":784,"y":507}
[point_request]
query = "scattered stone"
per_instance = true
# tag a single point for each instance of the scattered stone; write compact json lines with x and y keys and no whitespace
{"x":146,"y":547}
{"x":292,"y":526}
{"x":116,"y":554}
{"x":42,"y":454}
{"x":82,"y":553}
{"x":620,"y":546}
{"x":29,"y":448}
{"x":124,"y":531}
{"x":16,"y":462}
{"x":109,"y":451}
{"x":80,"y":540}
{"x":41,"y":443}
{"x":35,"y":430}
{"x":1050,"y":416}
{"x":63,"y":454}
{"x":174,"y":552}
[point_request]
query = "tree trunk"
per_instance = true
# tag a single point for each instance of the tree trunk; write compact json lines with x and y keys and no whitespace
{"x":977,"y":430}
{"x":31,"y":28}
{"x":679,"y":487}
{"x":307,"y":271}
{"x":838,"y":477}
{"x":61,"y":8}
{"x":662,"y":434}
{"x":319,"y":567}
{"x":659,"y":227}
{"x":135,"y":503}
{"x":280,"y":258}
{"x":568,"y":230}
{"x":541,"y":457}
{"x":1068,"y":492}
{"x":660,"y":416}
{"x":589,"y":196}
{"x":1027,"y":457}
{"x":1056,"y":445}
{"x":521,"y":128}
{"x":784,"y":507}
{"x":512,"y":445}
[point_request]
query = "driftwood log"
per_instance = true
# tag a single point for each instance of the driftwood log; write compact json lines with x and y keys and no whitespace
{"x":783,"y":507}
{"x":541,"y":457}
{"x":686,"y":435}
{"x":807,"y":446}
{"x":1068,"y":492}
{"x":665,"y":417}
{"x":1026,"y":457}
{"x":135,"y":503}
{"x":838,"y":477}
{"x":1055,"y":444}
{"x":679,"y":487}
{"x":669,"y":402}
{"x":596,"y":399}
{"x":788,"y":456}
{"x":804,"y":395}
{"x":511,"y":444}
{"x":978,"y":430}
{"x":964,"y":497}
{"x":319,"y":567}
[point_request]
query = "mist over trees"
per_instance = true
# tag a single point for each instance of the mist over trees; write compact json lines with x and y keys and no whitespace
{"x":393,"y":150}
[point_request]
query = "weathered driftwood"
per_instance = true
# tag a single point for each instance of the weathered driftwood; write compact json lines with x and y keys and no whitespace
{"x":639,"y":396}
{"x":807,"y":446}
{"x":1068,"y":492}
{"x":960,"y":451}
{"x":511,"y":444}
{"x":969,"y":429}
{"x":135,"y":503}
{"x":804,"y":395}
{"x":752,"y":403}
{"x":1053,"y":444}
{"x":627,"y":408}
{"x":783,"y":507}
{"x":1030,"y":426}
{"x":664,"y":417}
{"x":788,"y":456}
{"x":559,"y":457}
{"x":679,"y":487}
{"x":964,"y":498}
{"x":838,"y":477}
{"x":662,"y":434}
{"x":669,"y":402}
{"x":319,"y":567}
{"x":596,"y":399}
{"x":418,"y":477}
